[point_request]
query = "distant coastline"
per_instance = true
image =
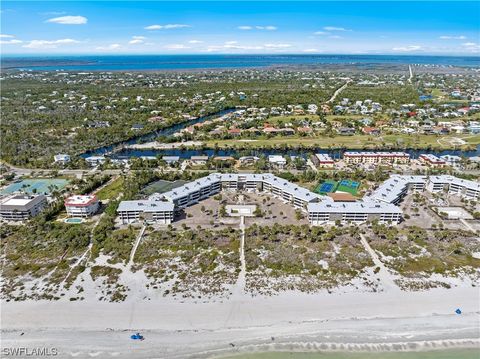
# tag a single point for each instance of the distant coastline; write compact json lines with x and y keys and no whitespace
{"x":221,"y":62}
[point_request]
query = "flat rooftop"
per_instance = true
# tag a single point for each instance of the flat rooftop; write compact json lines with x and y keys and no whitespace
{"x":79,"y":200}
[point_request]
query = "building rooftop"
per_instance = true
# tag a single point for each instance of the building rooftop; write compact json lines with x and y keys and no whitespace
{"x":145,"y":206}
{"x":353,"y":207}
{"x":80,"y":200}
{"x":21,"y":202}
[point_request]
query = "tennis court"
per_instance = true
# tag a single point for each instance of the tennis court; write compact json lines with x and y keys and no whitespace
{"x":348,"y":186}
{"x":38,"y":186}
{"x":326,"y":187}
{"x":161,"y":186}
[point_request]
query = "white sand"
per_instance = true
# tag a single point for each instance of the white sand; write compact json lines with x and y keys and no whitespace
{"x":391,"y":320}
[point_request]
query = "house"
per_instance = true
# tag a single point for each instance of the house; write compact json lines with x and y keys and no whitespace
{"x":371,"y":131}
{"x":277,"y":161}
{"x":171,"y":159}
{"x":346,"y":131}
{"x":95,"y":160}
{"x":81,"y":206}
{"x":198,"y":160}
{"x":248,"y":160}
{"x":234,"y":132}
{"x":22,"y":207}
{"x":61,"y":159}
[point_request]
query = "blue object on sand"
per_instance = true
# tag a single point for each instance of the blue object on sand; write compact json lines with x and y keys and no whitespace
{"x":136,"y":336}
{"x":458,"y":311}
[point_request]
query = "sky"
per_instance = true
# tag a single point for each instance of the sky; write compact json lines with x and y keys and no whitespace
{"x":247,"y":27}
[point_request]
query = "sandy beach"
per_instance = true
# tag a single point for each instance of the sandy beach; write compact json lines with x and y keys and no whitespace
{"x":351,"y":321}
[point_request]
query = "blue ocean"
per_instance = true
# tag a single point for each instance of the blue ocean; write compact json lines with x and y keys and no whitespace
{"x":195,"y":62}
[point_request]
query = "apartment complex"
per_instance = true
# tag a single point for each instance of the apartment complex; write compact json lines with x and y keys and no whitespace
{"x":82,"y":206}
{"x":376,"y":157}
{"x":431,"y":160}
{"x":359,"y":212}
{"x":150,"y":211}
{"x":322,"y":160}
{"x":21,"y":207}
{"x":380,"y":205}
{"x":205,"y":187}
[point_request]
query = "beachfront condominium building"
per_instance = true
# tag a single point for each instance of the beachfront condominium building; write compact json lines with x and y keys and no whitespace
{"x":396,"y":187}
{"x":455,"y":186}
{"x":380,"y":205}
{"x":21,"y":207}
{"x":82,"y":206}
{"x":387,"y":158}
{"x":149,"y":211}
{"x":200,"y":189}
{"x":356,"y":212}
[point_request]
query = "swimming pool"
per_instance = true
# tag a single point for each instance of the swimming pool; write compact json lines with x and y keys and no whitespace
{"x":74,"y":220}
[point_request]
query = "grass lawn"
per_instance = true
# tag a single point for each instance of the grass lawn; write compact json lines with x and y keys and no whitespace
{"x":111,"y":190}
{"x":353,"y":142}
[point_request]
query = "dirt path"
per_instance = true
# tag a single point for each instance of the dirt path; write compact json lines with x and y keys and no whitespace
{"x":411,"y":73}
{"x":135,"y":246}
{"x":383,"y":274}
{"x":337,"y":92}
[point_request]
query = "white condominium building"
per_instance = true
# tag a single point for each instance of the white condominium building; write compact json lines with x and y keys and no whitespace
{"x":149,"y":211}
{"x":81,"y":206}
{"x":396,"y":187}
{"x":205,"y":187}
{"x":431,"y":160}
{"x":376,"y":157}
{"x":454,"y":185}
{"x":322,"y":160}
{"x":21,"y":207}
{"x":379,"y":205}
{"x":357,"y":212}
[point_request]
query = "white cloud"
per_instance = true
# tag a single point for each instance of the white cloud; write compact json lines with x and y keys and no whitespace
{"x":176,"y":47}
{"x":136,"y":40}
{"x":195,"y":42}
{"x":111,"y":47}
{"x":445,"y":37}
{"x":267,"y":28}
{"x":277,"y":46}
{"x":166,"y":27}
{"x":49,"y":44}
{"x":4,"y":36}
{"x":321,"y":33}
{"x":69,"y":20}
{"x":408,"y":48}
{"x":471,"y":46}
{"x":334,"y":28}
{"x":234,"y":45}
{"x":311,"y":50}
{"x":335,"y":37}
{"x":10,"y":42}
